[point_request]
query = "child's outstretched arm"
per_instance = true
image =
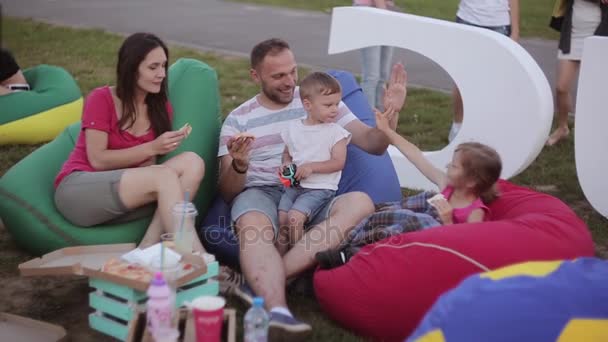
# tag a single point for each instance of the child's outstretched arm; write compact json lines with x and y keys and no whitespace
{"x":410,"y":151}
{"x":334,"y":164}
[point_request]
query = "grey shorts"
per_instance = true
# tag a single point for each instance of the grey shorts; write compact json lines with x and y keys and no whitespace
{"x":306,"y":201}
{"x":266,"y":199}
{"x":90,"y":198}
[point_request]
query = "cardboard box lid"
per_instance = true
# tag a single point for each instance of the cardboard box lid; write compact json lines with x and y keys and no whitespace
{"x":18,"y":328}
{"x":88,"y":260}
{"x":72,"y":260}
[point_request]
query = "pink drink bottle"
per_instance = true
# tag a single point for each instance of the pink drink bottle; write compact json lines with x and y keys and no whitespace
{"x":160,"y":308}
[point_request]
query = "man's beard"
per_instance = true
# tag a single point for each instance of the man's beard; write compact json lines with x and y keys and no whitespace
{"x":276,"y":97}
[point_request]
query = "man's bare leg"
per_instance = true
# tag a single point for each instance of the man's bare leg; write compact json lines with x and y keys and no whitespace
{"x":260,"y":262}
{"x":348,"y":210}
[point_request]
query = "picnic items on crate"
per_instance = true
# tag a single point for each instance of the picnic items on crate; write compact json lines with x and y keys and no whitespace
{"x":186,"y":324}
{"x":120,"y":282}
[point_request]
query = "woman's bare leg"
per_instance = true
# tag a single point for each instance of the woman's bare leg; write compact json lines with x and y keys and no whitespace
{"x":567,"y":71}
{"x":166,"y":184}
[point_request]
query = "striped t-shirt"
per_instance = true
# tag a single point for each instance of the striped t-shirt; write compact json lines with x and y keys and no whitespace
{"x":267,"y":125}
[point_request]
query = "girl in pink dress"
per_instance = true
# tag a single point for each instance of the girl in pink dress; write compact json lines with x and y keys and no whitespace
{"x":467,"y":186}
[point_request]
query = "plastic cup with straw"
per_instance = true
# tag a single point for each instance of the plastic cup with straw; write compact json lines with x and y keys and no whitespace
{"x":183,"y":214}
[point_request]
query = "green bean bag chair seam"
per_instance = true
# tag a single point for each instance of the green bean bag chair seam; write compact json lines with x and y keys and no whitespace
{"x":26,"y":191}
{"x":31,"y":210}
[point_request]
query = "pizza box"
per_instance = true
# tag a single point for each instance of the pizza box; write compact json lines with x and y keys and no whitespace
{"x":186,"y":326}
{"x":18,"y":328}
{"x":88,"y":261}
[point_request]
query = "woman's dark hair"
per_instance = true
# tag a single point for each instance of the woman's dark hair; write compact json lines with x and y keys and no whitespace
{"x":132,"y":52}
{"x":482,"y":164}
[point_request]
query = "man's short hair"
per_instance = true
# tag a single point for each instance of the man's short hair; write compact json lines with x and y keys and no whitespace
{"x":272,"y":46}
{"x":318,"y":83}
{"x":8,"y":65}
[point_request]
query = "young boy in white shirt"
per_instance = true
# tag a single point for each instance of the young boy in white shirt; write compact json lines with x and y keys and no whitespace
{"x":317,"y":147}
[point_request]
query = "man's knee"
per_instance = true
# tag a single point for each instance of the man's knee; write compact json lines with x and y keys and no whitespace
{"x":254,"y":226}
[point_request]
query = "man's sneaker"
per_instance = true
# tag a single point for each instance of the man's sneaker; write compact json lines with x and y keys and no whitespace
{"x":286,"y":328}
{"x":229,"y":280}
{"x":233,"y":283}
{"x":331,"y":258}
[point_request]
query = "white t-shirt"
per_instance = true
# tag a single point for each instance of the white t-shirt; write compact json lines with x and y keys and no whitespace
{"x":267,"y":125}
{"x":485,"y":12}
{"x":313,"y":143}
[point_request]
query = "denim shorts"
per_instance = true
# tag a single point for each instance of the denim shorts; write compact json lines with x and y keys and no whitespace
{"x":266,"y":199}
{"x":505,"y":29}
{"x":306,"y":201}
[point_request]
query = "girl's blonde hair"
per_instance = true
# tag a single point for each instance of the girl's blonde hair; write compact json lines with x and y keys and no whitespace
{"x":482,"y":164}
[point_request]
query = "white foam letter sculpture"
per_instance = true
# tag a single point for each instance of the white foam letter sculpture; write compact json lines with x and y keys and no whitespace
{"x":507,"y":99}
{"x":591,"y":123}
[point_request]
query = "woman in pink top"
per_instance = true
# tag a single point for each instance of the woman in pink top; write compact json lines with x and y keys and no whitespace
{"x":111,"y":175}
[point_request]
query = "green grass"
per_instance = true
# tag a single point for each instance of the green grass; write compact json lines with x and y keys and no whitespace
{"x":89,"y":55}
{"x":534,"y":15}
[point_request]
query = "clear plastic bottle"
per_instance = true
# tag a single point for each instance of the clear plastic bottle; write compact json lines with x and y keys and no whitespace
{"x":256,"y":322}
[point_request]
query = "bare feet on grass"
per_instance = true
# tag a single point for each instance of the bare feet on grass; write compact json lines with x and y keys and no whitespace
{"x":559,"y":134}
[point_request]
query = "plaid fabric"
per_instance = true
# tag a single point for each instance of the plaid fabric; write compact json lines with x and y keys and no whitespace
{"x":410,"y":214}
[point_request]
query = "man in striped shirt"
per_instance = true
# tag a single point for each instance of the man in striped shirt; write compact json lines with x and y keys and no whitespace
{"x":249,"y":180}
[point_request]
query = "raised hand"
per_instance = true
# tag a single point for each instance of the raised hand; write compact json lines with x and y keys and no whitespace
{"x":395,"y":92}
{"x":383,"y":120}
{"x":167,"y":142}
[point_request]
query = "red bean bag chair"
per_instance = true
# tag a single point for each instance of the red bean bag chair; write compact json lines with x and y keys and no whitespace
{"x":384,"y":291}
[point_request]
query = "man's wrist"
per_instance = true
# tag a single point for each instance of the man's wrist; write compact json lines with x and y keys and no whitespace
{"x":238,"y":167}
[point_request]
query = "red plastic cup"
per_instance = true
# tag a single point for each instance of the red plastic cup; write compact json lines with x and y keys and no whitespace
{"x":208,"y":312}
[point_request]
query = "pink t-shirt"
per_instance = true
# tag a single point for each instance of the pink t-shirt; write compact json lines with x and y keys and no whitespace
{"x":100,"y":113}
{"x":461,"y":215}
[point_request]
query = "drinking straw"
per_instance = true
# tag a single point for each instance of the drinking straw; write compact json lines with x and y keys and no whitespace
{"x":162,"y":255}
{"x":180,"y":231}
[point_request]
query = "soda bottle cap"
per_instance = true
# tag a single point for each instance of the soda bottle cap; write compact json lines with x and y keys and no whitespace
{"x":258,"y":302}
{"x":158,"y":279}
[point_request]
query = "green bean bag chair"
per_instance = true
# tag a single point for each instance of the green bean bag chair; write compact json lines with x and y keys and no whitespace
{"x":26,"y":190}
{"x":39,"y":115}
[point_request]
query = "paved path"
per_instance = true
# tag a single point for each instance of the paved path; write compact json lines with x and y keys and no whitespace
{"x":234,"y":28}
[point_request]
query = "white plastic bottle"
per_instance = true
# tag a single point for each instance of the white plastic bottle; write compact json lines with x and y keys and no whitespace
{"x":160,"y":309}
{"x":256,"y":322}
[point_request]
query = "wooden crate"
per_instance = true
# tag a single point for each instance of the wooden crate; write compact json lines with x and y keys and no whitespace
{"x":116,"y":306}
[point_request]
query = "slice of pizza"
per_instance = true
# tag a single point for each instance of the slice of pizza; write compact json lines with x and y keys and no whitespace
{"x":435,"y":199}
{"x":244,"y":136}
{"x":126,"y":270}
{"x":186,"y":129}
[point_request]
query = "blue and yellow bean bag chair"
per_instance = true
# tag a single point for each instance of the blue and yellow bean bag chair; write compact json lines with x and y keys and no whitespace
{"x":39,"y":115}
{"x":564,"y":301}
{"x":26,"y":190}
